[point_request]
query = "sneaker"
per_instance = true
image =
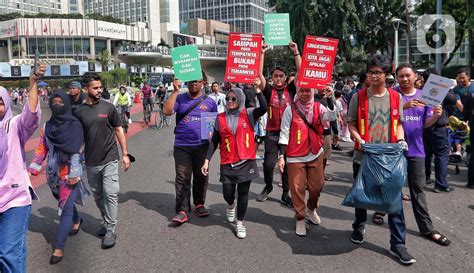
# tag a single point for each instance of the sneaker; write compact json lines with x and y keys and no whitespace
{"x":180,"y":218}
{"x":201,"y":211}
{"x":301,"y":228}
{"x":402,"y":254}
{"x":438,"y":189}
{"x":280,"y":184}
{"x":286,"y":200}
{"x":240,"y":231}
{"x":263,"y":196}
{"x":357,"y":236}
{"x":129,"y":121}
{"x":313,"y":216}
{"x":101,"y":232}
{"x":230,"y":212}
{"x":109,"y":239}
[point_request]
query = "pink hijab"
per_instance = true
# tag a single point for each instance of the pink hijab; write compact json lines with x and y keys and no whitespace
{"x":307,"y":107}
{"x":3,"y":134}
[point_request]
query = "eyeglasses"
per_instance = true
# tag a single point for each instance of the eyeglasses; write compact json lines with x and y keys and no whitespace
{"x":194,"y":82}
{"x":232,"y":99}
{"x":377,"y":73}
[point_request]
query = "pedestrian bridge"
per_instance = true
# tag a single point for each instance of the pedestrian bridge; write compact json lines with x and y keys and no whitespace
{"x":213,"y":58}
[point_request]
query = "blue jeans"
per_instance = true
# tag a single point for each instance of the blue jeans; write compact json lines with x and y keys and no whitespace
{"x":13,"y":227}
{"x":69,"y":216}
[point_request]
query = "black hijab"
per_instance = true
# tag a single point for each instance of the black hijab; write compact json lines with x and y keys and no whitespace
{"x":63,"y":129}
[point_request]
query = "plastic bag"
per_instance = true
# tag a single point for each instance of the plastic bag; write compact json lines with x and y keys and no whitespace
{"x":380,"y":180}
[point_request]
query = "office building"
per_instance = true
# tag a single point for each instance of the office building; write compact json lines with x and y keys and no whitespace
{"x":242,"y":15}
{"x":35,"y":6}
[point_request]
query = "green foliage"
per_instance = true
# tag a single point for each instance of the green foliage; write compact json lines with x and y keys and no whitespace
{"x":95,"y":16}
{"x":104,"y":59}
{"x":107,"y":18}
{"x":114,"y":78}
{"x":137,"y":80}
{"x":278,"y":56}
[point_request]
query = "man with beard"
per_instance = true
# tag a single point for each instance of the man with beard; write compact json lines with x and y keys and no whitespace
{"x":189,"y":149}
{"x":102,"y":125}
{"x":278,"y":97}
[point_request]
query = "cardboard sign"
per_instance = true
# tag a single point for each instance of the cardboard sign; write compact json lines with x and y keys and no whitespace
{"x":186,"y":63}
{"x":243,"y":57}
{"x":208,"y":120}
{"x":319,"y":54}
{"x":277,"y":29}
{"x":435,"y":90}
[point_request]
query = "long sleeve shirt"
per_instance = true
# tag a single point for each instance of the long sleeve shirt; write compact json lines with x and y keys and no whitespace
{"x":15,"y":186}
{"x":326,"y":115}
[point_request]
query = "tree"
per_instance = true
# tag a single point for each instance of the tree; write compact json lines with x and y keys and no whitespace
{"x":103,"y":58}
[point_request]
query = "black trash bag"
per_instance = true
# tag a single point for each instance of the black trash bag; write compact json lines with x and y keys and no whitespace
{"x":380,"y":180}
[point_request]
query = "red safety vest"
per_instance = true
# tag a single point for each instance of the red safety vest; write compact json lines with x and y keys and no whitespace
{"x":303,"y":139}
{"x":276,"y":109}
{"x":363,"y":116}
{"x":241,"y":146}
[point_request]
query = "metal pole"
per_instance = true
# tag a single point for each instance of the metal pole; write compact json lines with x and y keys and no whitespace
{"x":438,"y":60}
{"x":395,"y":53}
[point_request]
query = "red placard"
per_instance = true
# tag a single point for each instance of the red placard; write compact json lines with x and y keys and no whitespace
{"x":243,"y":57}
{"x":319,"y":54}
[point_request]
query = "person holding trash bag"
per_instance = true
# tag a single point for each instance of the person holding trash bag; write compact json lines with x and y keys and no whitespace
{"x":234,"y":133}
{"x":301,"y":141}
{"x":375,"y":116}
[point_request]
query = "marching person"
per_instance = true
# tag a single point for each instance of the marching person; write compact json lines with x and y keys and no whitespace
{"x":278,"y":96}
{"x":218,"y":97}
{"x":16,"y":190}
{"x":376,"y":116}
{"x":60,"y":142}
{"x":233,"y":132}
{"x":102,"y":129}
{"x":301,"y":141}
{"x":189,"y":148}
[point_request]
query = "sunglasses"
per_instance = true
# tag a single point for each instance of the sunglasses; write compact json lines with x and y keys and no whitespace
{"x":231,"y":99}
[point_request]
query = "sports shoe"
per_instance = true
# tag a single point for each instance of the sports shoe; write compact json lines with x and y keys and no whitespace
{"x":230,"y":212}
{"x":402,"y":254}
{"x":438,"y":189}
{"x":101,"y":232}
{"x":129,"y":121}
{"x":286,"y":200}
{"x":180,"y":218}
{"x":109,"y":239}
{"x":240,"y":231}
{"x":263,"y":196}
{"x":357,"y":236}
{"x":313,"y":216}
{"x":201,"y":211}
{"x":301,"y":228}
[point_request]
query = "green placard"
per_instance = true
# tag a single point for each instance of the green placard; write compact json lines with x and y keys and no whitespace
{"x":277,"y":29}
{"x":186,"y":63}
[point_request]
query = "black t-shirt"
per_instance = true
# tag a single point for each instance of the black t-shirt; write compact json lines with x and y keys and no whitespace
{"x":250,"y":97}
{"x":76,"y":104}
{"x":99,"y":122}
{"x":267,"y":92}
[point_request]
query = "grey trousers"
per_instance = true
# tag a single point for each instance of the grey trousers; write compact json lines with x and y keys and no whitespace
{"x":416,"y":183}
{"x":104,"y":183}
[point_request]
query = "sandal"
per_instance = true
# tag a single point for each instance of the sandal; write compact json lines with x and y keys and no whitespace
{"x":442,"y":240}
{"x":406,"y":197}
{"x":378,"y":218}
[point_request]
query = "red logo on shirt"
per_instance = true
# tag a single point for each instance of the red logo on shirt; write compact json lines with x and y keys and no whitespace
{"x":102,"y":115}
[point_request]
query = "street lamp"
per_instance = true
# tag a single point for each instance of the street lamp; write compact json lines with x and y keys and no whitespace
{"x":396,"y":24}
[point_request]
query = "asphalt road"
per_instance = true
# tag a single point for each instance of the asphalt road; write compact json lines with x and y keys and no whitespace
{"x":147,"y":242}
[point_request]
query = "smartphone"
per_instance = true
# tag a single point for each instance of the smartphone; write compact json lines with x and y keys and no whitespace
{"x":36,"y":64}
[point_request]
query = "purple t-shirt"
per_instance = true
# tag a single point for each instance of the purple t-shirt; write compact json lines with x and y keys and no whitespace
{"x":415,"y":117}
{"x":188,"y":131}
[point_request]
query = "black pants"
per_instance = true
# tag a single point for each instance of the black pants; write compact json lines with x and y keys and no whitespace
{"x":436,"y":141}
{"x":228,"y":190}
{"x":188,"y":161}
{"x":416,"y":182}
{"x":270,"y":160}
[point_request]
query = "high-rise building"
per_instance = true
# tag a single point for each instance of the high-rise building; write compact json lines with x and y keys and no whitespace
{"x":75,"y":6}
{"x":34,"y":6}
{"x":242,"y":15}
{"x":131,"y":11}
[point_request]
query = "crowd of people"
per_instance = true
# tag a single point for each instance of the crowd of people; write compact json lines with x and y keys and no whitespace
{"x":298,"y":126}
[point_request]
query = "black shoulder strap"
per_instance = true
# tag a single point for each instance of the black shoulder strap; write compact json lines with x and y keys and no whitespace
{"x":304,"y":118}
{"x":196,"y":104}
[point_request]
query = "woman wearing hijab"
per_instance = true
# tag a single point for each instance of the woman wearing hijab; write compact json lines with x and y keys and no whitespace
{"x":16,"y":192}
{"x":234,"y":134}
{"x":60,"y":143}
{"x":301,"y":140}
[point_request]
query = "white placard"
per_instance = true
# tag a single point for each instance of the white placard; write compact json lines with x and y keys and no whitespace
{"x":435,"y":90}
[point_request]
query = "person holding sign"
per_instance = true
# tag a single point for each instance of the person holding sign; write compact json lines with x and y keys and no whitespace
{"x":189,"y":149}
{"x":301,"y":140}
{"x":376,"y":116}
{"x":233,"y":134}
{"x":278,"y":97}
{"x":417,"y":116}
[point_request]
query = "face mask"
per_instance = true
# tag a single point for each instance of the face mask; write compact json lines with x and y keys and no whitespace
{"x":58,"y":109}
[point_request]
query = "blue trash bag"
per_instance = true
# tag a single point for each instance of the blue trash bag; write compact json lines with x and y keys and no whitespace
{"x":380,"y":180}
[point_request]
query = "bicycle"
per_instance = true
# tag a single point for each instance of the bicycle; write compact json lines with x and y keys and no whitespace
{"x":147,"y":111}
{"x":123,"y":117}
